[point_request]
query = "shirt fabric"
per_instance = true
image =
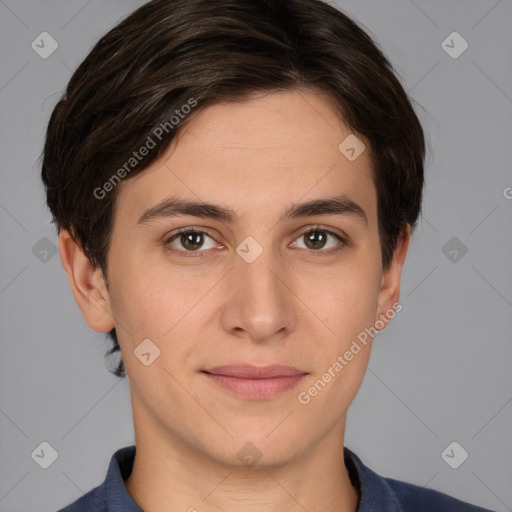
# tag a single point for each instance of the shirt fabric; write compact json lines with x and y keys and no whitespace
{"x":377,"y":493}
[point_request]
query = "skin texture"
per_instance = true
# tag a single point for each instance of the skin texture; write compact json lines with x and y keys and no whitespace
{"x":293,"y":305}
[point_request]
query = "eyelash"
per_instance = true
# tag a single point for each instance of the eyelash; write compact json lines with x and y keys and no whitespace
{"x":199,"y":253}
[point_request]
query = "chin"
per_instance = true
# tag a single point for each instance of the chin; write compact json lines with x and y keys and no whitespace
{"x":255,"y":448}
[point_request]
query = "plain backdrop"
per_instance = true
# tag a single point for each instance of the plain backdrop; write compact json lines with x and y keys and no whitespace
{"x":440,"y":373}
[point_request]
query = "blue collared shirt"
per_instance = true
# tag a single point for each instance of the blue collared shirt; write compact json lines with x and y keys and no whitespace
{"x":377,"y":493}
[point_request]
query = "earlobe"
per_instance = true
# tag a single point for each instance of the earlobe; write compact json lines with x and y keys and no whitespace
{"x":87,"y":284}
{"x":389,"y":294}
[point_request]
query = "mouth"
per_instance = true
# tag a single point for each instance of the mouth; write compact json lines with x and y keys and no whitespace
{"x":255,"y":382}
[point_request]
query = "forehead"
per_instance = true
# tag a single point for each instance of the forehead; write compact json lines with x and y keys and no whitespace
{"x":271,"y":149}
{"x":268,"y":124}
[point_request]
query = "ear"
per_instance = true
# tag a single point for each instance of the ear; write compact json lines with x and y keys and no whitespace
{"x":87,"y":284}
{"x":389,"y":294}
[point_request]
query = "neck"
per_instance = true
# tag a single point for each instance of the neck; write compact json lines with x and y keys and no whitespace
{"x":169,"y":474}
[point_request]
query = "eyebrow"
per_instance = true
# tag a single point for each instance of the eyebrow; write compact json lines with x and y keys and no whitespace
{"x":174,"y":206}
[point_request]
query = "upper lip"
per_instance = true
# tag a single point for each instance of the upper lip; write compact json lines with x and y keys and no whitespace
{"x":255,"y":372}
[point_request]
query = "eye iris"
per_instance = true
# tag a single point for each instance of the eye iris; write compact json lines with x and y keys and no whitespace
{"x":315,"y":239}
{"x":192,"y":240}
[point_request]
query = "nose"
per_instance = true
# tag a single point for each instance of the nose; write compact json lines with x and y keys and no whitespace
{"x":260,"y":304}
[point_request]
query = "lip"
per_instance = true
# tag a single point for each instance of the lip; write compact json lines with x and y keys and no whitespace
{"x":255,"y":382}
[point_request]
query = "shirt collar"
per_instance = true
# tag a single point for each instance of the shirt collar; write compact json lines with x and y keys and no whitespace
{"x":375,"y":493}
{"x":116,"y":496}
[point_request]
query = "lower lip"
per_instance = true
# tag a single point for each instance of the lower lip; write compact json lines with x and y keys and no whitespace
{"x":256,"y":388}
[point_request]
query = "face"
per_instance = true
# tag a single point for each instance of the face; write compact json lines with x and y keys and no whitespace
{"x":256,"y":280}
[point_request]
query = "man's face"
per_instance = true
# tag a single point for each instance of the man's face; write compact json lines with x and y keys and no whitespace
{"x":258,"y":290}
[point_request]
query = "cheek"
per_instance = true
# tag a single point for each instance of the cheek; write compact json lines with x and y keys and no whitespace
{"x":144,"y":303}
{"x":341,"y":356}
{"x":346,"y":303}
{"x":170,"y":309}
{"x":347,"y":306}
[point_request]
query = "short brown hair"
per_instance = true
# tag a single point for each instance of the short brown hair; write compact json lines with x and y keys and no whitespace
{"x":168,"y":51}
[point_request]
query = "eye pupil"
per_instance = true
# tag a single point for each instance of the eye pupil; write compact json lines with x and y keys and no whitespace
{"x":192,"y":240}
{"x":315,"y":239}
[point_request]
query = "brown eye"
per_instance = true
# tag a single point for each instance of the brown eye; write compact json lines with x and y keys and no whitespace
{"x":190,"y":241}
{"x":315,"y":239}
{"x":318,"y":240}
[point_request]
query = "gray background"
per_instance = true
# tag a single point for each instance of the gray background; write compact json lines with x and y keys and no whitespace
{"x":439,"y":373}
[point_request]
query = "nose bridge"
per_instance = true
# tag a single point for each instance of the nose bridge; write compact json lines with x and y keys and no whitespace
{"x":260,"y":301}
{"x":260,"y":280}
{"x":257,"y":272}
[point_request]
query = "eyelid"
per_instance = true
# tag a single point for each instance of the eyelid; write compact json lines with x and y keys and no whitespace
{"x":327,"y":229}
{"x":188,"y":229}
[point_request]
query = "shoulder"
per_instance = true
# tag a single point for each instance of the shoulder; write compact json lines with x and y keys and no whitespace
{"x":383,"y":494}
{"x":111,"y":495}
{"x":417,"y":498}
